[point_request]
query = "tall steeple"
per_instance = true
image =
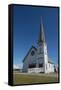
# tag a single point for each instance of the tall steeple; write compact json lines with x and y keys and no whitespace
{"x":41,"y":35}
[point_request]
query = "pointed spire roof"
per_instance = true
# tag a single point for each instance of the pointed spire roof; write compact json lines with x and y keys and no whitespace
{"x":41,"y":35}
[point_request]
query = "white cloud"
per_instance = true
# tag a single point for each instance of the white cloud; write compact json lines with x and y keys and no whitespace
{"x":18,"y":66}
{"x":21,"y":65}
{"x":15,"y":66}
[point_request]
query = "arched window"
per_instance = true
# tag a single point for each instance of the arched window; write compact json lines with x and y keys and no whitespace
{"x":32,"y":53}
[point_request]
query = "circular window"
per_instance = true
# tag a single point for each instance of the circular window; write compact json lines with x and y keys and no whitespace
{"x":32,"y":53}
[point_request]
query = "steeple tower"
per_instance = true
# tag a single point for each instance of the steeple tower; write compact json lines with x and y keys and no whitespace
{"x":42,"y":55}
{"x":41,"y":35}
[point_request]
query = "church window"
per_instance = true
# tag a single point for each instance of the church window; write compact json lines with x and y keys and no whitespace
{"x":32,"y":65}
{"x":40,"y":50}
{"x":32,"y":53}
{"x":41,"y":65}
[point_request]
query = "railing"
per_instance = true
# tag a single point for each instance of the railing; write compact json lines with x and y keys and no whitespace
{"x":30,"y":70}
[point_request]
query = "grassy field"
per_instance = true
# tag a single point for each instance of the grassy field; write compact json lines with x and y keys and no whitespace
{"x":23,"y":78}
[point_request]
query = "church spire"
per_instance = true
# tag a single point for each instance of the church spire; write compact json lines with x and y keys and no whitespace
{"x":41,"y":35}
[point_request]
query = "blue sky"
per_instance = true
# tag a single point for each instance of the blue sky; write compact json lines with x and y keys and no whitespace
{"x":26,"y":27}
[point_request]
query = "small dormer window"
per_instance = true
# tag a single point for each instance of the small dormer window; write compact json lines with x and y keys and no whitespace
{"x":32,"y":53}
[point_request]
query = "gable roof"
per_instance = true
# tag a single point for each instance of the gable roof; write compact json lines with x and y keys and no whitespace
{"x":29,"y":52}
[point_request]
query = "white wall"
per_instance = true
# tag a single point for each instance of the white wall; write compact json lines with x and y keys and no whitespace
{"x":35,"y":70}
{"x":45,"y":58}
{"x":50,"y":67}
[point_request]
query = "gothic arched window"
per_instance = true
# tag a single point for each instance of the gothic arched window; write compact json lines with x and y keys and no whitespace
{"x":32,"y":53}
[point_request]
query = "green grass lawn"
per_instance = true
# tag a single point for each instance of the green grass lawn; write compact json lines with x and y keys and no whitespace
{"x":34,"y":78}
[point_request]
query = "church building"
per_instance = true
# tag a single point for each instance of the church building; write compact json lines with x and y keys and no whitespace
{"x":37,"y":59}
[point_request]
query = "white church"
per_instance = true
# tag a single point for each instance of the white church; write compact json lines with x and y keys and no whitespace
{"x":37,"y":59}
